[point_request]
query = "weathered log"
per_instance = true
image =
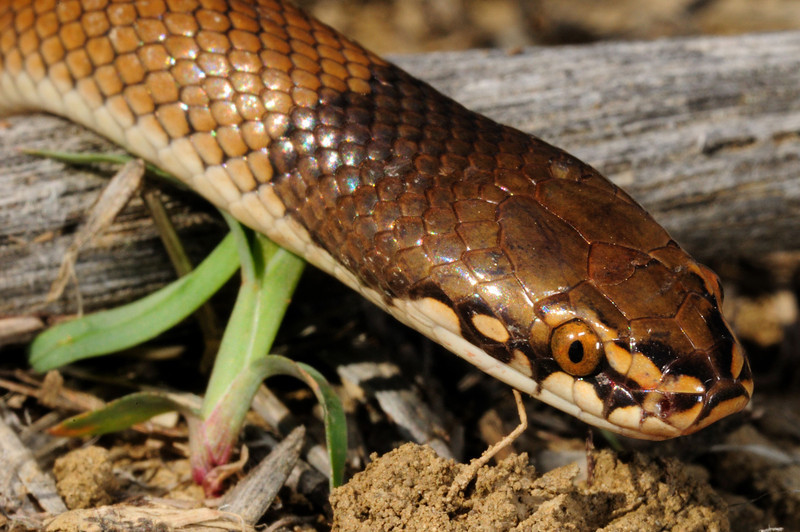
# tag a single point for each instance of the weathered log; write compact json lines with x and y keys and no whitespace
{"x":704,"y":132}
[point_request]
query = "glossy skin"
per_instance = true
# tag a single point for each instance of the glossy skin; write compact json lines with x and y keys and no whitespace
{"x":558,"y":281}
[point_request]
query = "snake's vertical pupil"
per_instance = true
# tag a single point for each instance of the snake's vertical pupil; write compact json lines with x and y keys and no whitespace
{"x":576,"y":348}
{"x":575,"y":352}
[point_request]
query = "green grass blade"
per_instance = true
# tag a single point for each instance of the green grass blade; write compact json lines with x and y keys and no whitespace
{"x":96,"y":158}
{"x":269,"y":277}
{"x":122,"y":414}
{"x":333,"y":411}
{"x":123,"y":327}
{"x":247,"y":248}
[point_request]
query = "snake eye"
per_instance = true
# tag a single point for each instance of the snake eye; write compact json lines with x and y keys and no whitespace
{"x":576,"y":348}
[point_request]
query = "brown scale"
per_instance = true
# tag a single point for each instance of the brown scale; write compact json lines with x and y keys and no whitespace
{"x":414,"y":194}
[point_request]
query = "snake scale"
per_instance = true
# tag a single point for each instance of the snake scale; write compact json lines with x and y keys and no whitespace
{"x":508,"y":251}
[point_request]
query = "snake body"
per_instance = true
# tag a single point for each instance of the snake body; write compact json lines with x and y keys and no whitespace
{"x":508,"y":251}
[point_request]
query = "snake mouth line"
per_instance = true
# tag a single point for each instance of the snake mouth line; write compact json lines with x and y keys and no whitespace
{"x":654,"y":415}
{"x":658,"y":403}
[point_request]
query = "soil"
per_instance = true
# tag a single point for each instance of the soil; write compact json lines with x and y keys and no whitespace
{"x":741,"y":475}
{"x":407,"y":489}
{"x":84,"y":478}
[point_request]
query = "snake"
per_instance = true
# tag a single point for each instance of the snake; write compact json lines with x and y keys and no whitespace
{"x":506,"y":250}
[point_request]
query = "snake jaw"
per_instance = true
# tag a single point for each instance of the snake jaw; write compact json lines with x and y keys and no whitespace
{"x":669,"y":393}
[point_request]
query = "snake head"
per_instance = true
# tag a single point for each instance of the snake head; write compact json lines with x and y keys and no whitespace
{"x":587,"y":304}
{"x":594,"y":309}
{"x":666,"y":373}
{"x":641,"y":346}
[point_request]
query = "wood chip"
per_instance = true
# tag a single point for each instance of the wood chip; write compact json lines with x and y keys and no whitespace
{"x":253,"y":495}
{"x":20,"y":476}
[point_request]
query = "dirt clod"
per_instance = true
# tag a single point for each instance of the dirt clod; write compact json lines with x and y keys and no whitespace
{"x":84,"y":478}
{"x":405,"y":490}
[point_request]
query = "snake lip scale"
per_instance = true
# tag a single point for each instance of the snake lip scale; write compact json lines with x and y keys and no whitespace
{"x":508,"y":251}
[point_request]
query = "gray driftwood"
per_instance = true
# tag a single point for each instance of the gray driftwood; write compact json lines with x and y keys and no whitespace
{"x":705,"y":132}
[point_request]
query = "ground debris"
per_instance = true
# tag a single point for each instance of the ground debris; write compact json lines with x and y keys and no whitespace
{"x":146,"y":514}
{"x":405,"y":490}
